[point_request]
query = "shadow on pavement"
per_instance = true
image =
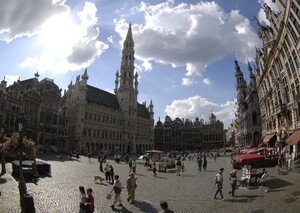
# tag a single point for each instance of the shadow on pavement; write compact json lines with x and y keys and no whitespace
{"x":145,"y":206}
{"x":186,"y":175}
{"x":212,"y":170}
{"x":276,"y":190}
{"x":140,"y":175}
{"x":161,"y":177}
{"x":2,"y":181}
{"x":121,"y":210}
{"x":278,"y":183}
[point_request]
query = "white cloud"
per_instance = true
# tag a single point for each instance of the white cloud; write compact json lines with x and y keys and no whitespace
{"x":187,"y":82}
{"x":11,"y":79}
{"x":197,"y":106}
{"x":25,"y":17}
{"x":203,"y":33}
{"x":206,"y":81}
{"x":262,"y":15}
{"x":65,"y":41}
{"x":110,"y":39}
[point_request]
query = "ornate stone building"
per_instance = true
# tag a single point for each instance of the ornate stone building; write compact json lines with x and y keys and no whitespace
{"x":99,"y":120}
{"x":180,"y":135}
{"x":53,"y":122}
{"x":248,"y":122}
{"x":230,"y":136}
{"x":278,"y":75}
{"x":37,"y":103}
{"x":22,"y":100}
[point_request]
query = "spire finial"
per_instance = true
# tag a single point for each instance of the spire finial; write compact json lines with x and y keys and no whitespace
{"x":37,"y":74}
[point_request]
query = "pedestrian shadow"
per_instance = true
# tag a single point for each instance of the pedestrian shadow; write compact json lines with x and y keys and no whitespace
{"x":145,"y":207}
{"x":187,"y":175}
{"x":121,"y":210}
{"x":276,"y":190}
{"x":161,"y":177}
{"x":140,"y":175}
{"x":243,"y":198}
{"x":212,"y":170}
{"x":278,"y":183}
{"x":2,"y":181}
{"x":103,"y":184}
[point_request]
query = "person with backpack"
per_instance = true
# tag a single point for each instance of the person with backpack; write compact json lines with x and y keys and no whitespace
{"x":117,"y":188}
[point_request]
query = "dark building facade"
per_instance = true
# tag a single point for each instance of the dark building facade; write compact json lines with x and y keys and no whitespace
{"x":180,"y":135}
{"x":37,"y":105}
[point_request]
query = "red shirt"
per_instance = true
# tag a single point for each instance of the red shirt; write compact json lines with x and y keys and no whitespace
{"x":90,"y":205}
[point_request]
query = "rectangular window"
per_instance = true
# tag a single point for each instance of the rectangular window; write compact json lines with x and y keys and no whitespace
{"x":295,"y":57}
{"x":292,"y":66}
{"x":292,"y":32}
{"x":288,"y":69}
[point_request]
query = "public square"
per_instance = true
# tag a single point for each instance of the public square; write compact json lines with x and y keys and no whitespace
{"x":191,"y":192}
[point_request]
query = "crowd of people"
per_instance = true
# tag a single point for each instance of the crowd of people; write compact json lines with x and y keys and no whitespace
{"x":87,"y":199}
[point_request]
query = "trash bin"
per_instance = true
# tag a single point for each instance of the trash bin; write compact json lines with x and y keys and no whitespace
{"x":28,"y":204}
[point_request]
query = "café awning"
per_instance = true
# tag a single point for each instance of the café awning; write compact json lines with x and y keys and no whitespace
{"x":268,"y":138}
{"x":294,"y":138}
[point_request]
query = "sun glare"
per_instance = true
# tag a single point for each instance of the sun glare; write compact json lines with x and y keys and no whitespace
{"x":59,"y":34}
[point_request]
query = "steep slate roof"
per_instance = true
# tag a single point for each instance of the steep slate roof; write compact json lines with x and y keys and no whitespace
{"x":101,"y":97}
{"x":142,"y":111}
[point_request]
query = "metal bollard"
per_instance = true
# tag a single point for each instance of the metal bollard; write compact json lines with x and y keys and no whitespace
{"x":28,"y":204}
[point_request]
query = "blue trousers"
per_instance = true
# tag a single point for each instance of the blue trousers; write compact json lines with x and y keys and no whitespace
{"x":219,"y":190}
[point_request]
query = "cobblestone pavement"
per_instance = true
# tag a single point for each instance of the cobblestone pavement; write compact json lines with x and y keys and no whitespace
{"x":191,"y":192}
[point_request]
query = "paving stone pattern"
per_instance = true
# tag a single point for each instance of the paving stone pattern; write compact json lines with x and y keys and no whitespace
{"x":190,"y":193}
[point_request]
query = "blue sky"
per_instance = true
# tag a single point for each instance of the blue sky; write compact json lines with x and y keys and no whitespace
{"x":183,"y":49}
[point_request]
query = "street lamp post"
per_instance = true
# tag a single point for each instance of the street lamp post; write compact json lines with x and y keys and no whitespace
{"x":22,"y":184}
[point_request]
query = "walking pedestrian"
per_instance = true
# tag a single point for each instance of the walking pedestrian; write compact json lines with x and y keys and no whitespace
{"x":263,"y":180}
{"x":131,"y":187}
{"x":233,"y":182}
{"x":83,"y":199}
{"x":289,"y":161}
{"x":204,"y":163}
{"x":165,"y":208}
{"x":199,"y":161}
{"x":89,"y":156}
{"x":154,"y":170}
{"x":182,"y":168}
{"x":178,"y":164}
{"x":130,"y":166}
{"x":101,"y":165}
{"x":134,"y":166}
{"x":215,"y":157}
{"x":107,"y":172}
{"x":90,"y":204}
{"x":117,"y":188}
{"x":219,"y":183}
{"x":35,"y":171}
{"x":111,"y":173}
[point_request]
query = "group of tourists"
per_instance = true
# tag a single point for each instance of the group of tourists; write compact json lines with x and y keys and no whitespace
{"x":109,"y":173}
{"x":218,"y":183}
{"x":202,"y":164}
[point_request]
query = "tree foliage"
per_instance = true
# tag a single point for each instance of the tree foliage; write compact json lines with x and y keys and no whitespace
{"x":13,"y":148}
